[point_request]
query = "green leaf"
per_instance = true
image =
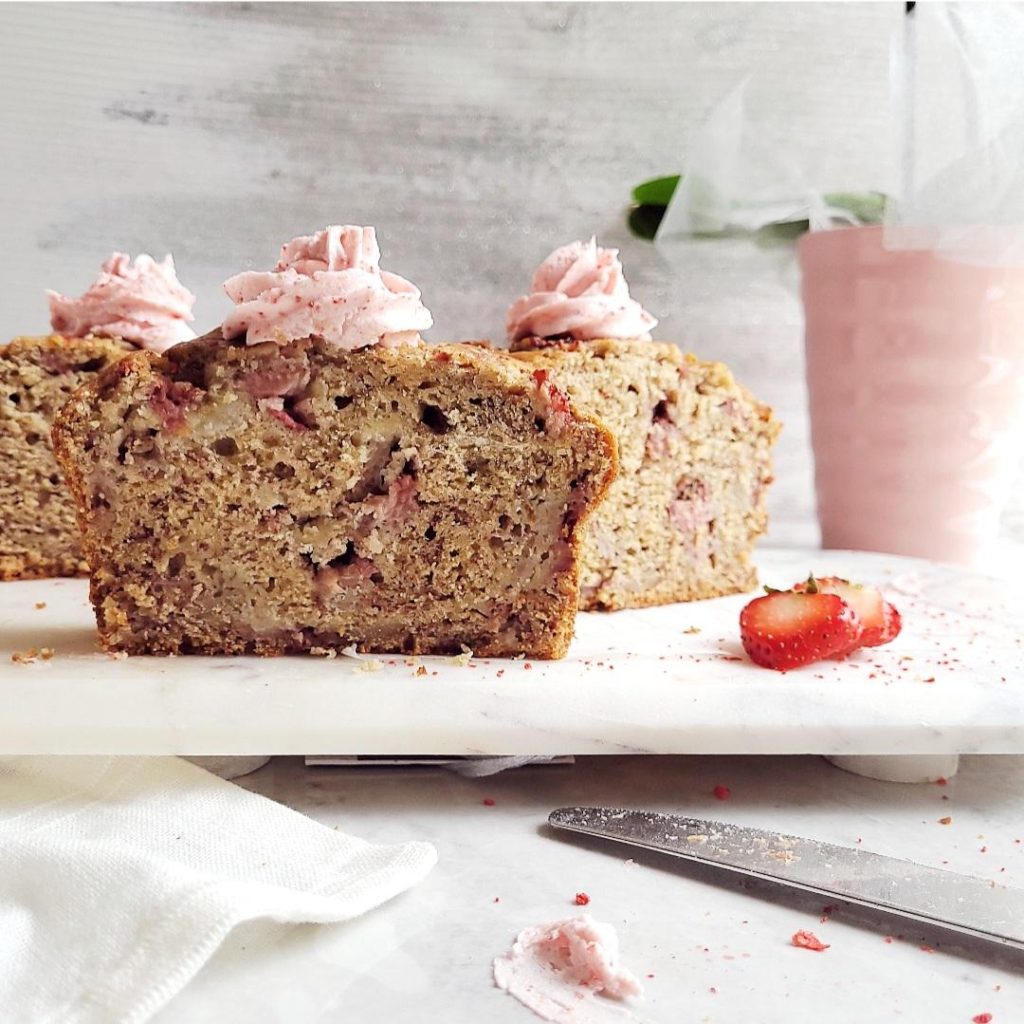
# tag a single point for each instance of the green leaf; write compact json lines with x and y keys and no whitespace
{"x":867,"y":207}
{"x":656,"y":192}
{"x":644,"y":220}
{"x":783,"y":230}
{"x":653,"y":196}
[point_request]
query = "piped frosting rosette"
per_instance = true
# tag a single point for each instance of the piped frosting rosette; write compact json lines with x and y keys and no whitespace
{"x":142,"y":302}
{"x":579,"y":292}
{"x":328,"y":285}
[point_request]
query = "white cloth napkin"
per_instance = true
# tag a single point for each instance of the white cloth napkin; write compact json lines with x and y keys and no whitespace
{"x":119,"y":878}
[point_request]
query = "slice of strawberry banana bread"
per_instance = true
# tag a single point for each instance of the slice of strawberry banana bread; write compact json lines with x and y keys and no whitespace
{"x":682,"y":516}
{"x":128,"y":306}
{"x":313,"y":476}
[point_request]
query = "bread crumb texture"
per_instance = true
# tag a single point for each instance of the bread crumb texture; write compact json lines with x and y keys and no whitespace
{"x":37,"y":375}
{"x":295,"y":497}
{"x":682,"y":516}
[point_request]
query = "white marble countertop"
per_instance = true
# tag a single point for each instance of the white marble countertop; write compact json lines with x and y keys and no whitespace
{"x":665,"y":680}
{"x":716,"y":945}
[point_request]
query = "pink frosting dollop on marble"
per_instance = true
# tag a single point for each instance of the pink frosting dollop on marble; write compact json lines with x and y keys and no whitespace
{"x":142,"y":302}
{"x":328,"y":285}
{"x":556,"y":969}
{"x":579,"y":291}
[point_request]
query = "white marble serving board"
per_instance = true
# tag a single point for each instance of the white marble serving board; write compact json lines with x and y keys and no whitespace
{"x":953,"y":682}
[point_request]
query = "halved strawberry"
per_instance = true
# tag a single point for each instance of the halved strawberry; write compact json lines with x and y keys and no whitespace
{"x":881,"y":620}
{"x":787,"y":629}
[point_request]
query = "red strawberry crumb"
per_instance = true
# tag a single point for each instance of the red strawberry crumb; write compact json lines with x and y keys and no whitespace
{"x":558,"y":401}
{"x":889,"y":939}
{"x":808,"y":940}
{"x":981,"y":1018}
{"x":527,"y":666}
{"x":926,"y":949}
{"x":488,"y":801}
{"x":582,"y":899}
{"x":722,"y":792}
{"x":940,"y":781}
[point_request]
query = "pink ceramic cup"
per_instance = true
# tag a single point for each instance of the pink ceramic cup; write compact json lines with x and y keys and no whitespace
{"x":915,"y":374}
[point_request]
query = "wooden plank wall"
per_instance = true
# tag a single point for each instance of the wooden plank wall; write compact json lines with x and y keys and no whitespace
{"x":475,"y":136}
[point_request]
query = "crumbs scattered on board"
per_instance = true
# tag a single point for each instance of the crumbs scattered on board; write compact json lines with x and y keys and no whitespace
{"x":323,"y":652}
{"x":461,"y":659}
{"x":31,"y":655}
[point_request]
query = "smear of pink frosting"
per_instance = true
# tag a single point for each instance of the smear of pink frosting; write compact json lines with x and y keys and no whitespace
{"x":142,"y":302}
{"x":557,"y":969}
{"x":327,"y":285}
{"x":579,"y":291}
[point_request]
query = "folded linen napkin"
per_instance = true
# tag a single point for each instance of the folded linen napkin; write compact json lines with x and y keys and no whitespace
{"x":120,"y":877}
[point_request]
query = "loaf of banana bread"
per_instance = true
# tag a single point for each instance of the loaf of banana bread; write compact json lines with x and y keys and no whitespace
{"x":681,"y":518}
{"x":39,"y":536}
{"x":314,"y":475}
{"x":131,"y":304}
{"x":291,"y":497}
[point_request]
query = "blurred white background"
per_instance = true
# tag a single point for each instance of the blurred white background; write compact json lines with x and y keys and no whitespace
{"x":476,"y":137}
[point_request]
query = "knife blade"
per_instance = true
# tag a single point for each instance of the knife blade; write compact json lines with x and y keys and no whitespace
{"x":965,"y":904}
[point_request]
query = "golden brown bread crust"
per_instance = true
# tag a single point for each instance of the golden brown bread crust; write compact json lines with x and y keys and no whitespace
{"x":275,"y":499}
{"x":681,"y":518}
{"x":37,"y":374}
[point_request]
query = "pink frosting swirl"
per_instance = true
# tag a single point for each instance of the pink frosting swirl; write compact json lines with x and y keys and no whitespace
{"x":328,"y":285}
{"x":142,"y":302}
{"x":579,"y":292}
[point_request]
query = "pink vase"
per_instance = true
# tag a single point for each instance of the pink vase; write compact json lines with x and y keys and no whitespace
{"x":915,"y":374}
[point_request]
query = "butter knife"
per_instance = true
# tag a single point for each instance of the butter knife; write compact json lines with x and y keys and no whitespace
{"x":968,"y":905}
